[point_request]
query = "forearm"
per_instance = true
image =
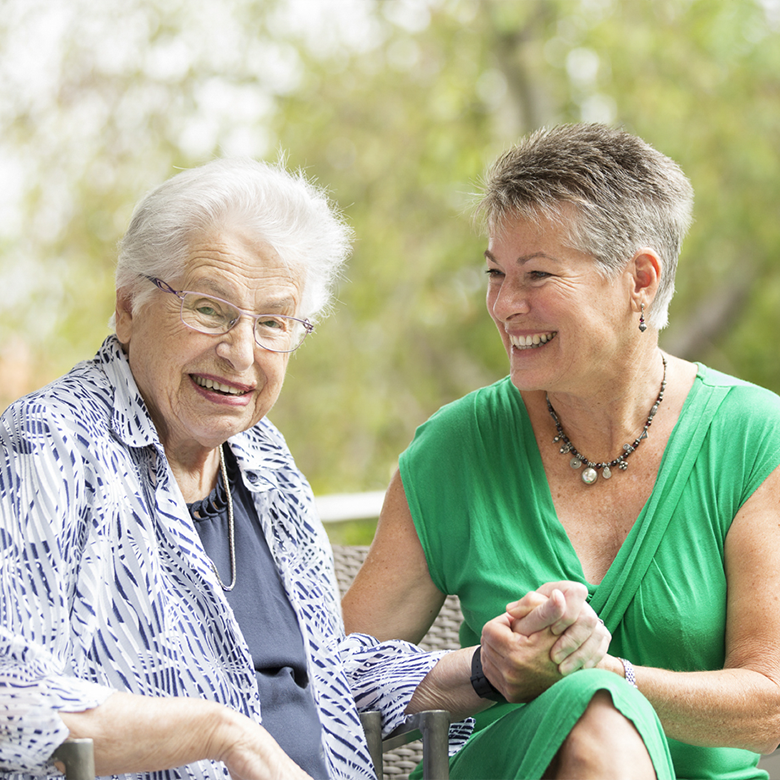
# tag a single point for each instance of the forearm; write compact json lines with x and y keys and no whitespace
{"x":143,"y":734}
{"x":448,"y":687}
{"x":724,"y":708}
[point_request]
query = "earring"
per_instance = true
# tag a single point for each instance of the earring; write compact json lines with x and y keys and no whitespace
{"x":642,"y":326}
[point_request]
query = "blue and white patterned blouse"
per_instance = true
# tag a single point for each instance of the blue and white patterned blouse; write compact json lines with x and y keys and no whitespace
{"x":104,"y":584}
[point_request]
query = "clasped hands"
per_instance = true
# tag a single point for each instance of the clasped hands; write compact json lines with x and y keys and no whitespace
{"x":546,"y":635}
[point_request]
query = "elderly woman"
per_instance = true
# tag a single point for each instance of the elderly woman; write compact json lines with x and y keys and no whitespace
{"x":600,"y":459}
{"x":166,"y":588}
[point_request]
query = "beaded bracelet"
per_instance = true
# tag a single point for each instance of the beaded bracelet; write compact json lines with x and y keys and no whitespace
{"x":628,"y":670}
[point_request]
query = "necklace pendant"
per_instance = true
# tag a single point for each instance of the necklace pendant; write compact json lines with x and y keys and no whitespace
{"x":590,"y":474}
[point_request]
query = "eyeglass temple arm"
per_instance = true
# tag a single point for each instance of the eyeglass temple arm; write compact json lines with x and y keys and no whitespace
{"x":161,"y":284}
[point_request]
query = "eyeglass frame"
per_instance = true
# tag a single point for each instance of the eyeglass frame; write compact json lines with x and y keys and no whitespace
{"x":165,"y":287}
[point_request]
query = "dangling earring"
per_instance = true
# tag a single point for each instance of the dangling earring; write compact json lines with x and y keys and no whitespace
{"x":642,"y":326}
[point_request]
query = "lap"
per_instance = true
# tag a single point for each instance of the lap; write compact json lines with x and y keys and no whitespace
{"x":522,"y":743}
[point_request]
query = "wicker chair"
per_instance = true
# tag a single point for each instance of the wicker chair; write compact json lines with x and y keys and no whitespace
{"x":443,"y":635}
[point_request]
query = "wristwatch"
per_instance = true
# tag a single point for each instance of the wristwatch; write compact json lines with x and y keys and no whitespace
{"x":481,"y":685}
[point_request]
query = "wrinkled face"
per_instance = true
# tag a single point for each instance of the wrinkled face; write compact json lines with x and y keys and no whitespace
{"x":562,"y":323}
{"x":201,"y":389}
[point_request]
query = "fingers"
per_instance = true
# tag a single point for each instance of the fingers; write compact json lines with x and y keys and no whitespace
{"x":583,"y":639}
{"x":575,"y":595}
{"x":519,"y":609}
{"x":517,"y":665}
{"x":547,"y":613}
{"x":582,"y":646}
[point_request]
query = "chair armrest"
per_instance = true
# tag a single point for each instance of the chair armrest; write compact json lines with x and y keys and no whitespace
{"x":432,"y":725}
{"x":78,"y":757}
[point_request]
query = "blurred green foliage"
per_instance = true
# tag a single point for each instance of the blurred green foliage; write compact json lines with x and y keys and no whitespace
{"x":397,"y":107}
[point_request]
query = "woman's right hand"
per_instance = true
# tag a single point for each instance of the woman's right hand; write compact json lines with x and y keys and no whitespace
{"x":253,"y":754}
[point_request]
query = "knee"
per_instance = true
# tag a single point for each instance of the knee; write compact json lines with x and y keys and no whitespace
{"x":602,"y":722}
{"x":604,"y":744}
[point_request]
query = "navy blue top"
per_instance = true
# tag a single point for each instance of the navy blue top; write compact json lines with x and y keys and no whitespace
{"x":266,"y":619}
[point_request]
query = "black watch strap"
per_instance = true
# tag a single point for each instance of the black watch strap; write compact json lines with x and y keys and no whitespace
{"x":481,"y":685}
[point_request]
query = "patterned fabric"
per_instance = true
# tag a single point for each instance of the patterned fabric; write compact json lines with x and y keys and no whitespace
{"x":104,"y":584}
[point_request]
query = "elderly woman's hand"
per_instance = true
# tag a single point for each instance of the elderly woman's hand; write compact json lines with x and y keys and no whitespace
{"x":139,"y":734}
{"x":255,"y":755}
{"x":583,"y":640}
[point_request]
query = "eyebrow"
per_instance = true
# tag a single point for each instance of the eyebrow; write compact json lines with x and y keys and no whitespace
{"x":522,"y":258}
{"x":269,"y":306}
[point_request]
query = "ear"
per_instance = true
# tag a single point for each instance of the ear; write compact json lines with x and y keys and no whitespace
{"x":124,"y":315}
{"x":645,"y":273}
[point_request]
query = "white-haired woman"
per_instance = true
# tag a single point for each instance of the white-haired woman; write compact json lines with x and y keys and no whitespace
{"x":166,"y":588}
{"x":555,"y":473}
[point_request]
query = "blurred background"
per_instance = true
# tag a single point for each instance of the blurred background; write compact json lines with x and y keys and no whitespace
{"x":396,"y":106}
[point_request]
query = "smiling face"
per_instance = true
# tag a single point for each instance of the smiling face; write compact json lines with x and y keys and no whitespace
{"x":201,"y":389}
{"x":564,"y":326}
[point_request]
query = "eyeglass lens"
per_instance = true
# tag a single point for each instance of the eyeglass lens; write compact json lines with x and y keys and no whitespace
{"x":209,"y":315}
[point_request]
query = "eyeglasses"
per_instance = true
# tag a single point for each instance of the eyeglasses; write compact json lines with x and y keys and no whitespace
{"x":207,"y":314}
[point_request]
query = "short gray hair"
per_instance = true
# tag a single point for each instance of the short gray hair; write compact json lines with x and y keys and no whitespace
{"x":283,"y":209}
{"x":626,"y":195}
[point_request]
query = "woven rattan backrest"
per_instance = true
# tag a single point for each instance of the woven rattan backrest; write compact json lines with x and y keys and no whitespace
{"x":443,"y":635}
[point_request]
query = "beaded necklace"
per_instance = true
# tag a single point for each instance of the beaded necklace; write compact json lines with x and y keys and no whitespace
{"x":591,"y":471}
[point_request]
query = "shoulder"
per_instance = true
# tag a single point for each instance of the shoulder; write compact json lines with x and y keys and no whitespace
{"x":742,"y":401}
{"x":75,"y":408}
{"x":480,"y":415}
{"x":743,"y":439}
{"x":263,"y":441}
{"x":264,"y":458}
{"x":493,"y":402}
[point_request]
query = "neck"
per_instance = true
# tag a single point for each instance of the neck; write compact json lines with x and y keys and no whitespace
{"x":195,"y":475}
{"x":601,"y":421}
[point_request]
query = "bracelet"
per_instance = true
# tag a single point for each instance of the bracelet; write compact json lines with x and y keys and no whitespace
{"x":481,"y":685}
{"x":628,"y":670}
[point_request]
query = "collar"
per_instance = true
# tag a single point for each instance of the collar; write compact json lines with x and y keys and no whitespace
{"x":261,"y":451}
{"x":130,"y":419}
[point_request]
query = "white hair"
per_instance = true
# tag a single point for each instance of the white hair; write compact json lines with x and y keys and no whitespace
{"x":284,"y":210}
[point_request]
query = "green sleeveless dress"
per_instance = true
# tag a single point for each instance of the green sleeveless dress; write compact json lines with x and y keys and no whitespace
{"x":482,"y":508}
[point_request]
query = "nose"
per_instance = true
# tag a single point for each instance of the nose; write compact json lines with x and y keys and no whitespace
{"x":238,"y":345}
{"x":507,"y":299}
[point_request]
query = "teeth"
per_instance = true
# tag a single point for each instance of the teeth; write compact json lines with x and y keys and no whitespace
{"x":529,"y":342}
{"x":210,"y":384}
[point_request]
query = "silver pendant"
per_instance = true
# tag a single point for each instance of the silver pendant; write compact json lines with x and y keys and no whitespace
{"x":589,"y":476}
{"x":606,"y":472}
{"x":575,"y":463}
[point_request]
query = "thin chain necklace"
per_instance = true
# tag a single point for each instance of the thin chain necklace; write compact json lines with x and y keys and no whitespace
{"x":590,"y":473}
{"x":231,"y":527}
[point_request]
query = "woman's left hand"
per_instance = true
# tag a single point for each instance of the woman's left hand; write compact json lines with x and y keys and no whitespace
{"x":583,"y":640}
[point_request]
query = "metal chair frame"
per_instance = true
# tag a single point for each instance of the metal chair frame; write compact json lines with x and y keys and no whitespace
{"x":78,"y":757}
{"x":431,"y":725}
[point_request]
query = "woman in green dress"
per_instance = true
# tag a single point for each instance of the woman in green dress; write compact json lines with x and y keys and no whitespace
{"x":600,"y":460}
